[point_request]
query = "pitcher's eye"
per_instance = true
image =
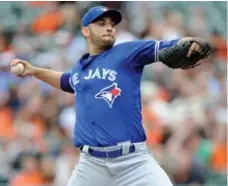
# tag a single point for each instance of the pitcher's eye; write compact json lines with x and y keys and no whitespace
{"x":113,"y":24}
{"x":101,"y":23}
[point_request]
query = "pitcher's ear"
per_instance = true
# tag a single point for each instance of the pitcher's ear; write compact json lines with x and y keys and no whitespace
{"x":85,"y":31}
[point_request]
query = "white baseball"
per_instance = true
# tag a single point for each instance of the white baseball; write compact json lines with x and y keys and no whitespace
{"x":17,"y":69}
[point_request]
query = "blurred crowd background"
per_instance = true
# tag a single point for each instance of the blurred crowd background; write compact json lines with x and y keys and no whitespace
{"x":184,"y":111}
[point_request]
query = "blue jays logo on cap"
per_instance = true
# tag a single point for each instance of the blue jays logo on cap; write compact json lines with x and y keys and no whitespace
{"x":99,"y":11}
{"x":109,"y":94}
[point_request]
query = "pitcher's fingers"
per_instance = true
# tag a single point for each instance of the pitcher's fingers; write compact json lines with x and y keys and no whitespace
{"x":191,"y":49}
{"x":15,"y":61}
{"x":198,"y":48}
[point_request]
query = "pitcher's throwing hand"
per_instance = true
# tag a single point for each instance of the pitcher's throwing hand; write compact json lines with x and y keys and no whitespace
{"x":28,"y":69}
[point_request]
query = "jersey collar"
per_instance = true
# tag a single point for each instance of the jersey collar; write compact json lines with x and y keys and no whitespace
{"x":86,"y":59}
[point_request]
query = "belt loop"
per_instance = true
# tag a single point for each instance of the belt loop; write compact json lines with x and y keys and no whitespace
{"x":140,"y":146}
{"x":85,"y":149}
{"x":125,"y":148}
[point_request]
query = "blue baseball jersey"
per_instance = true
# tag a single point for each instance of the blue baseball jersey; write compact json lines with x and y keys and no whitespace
{"x":107,"y":93}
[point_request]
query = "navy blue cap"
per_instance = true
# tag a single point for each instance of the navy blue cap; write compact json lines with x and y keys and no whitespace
{"x":98,"y":11}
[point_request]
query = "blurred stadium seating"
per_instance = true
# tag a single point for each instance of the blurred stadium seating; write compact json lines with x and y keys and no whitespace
{"x":184,"y":112}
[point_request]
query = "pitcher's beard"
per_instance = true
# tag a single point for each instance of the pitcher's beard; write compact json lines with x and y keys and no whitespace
{"x":102,"y":43}
{"x":108,"y":44}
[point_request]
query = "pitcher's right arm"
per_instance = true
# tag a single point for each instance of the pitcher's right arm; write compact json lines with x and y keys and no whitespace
{"x":53,"y":78}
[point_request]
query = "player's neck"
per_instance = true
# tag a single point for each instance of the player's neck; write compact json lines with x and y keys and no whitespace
{"x":94,"y":50}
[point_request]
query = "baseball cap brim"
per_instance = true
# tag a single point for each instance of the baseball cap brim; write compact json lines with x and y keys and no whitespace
{"x":113,"y":14}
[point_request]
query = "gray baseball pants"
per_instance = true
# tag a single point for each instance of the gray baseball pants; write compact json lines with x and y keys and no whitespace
{"x":131,"y":169}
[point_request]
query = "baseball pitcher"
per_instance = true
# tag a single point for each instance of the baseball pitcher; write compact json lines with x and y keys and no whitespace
{"x":106,"y":85}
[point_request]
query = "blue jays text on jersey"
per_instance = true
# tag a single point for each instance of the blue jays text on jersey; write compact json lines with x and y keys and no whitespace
{"x":107,"y":93}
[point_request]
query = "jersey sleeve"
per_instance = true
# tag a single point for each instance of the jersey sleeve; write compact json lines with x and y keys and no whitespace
{"x":165,"y":44}
{"x":66,"y":83}
{"x":144,"y":52}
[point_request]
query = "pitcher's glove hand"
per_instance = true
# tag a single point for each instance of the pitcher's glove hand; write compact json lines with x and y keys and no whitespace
{"x":186,"y":54}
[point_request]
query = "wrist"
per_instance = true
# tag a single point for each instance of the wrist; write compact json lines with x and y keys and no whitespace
{"x":35,"y":71}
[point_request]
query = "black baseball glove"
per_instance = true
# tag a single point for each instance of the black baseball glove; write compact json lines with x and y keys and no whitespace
{"x":176,"y":56}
